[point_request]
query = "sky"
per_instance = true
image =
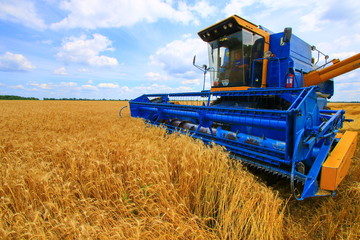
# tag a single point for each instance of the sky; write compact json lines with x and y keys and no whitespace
{"x":120,"y":49}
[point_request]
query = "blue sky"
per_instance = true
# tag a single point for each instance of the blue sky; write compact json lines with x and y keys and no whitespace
{"x":120,"y":49}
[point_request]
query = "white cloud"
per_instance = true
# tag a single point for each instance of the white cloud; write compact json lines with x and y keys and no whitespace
{"x":107,"y":85}
{"x":175,"y":61}
{"x":342,"y":47}
{"x":83,"y":70}
{"x":237,"y":7}
{"x":102,"y":61}
{"x":87,"y":51}
{"x":125,"y":89}
{"x":92,"y":14}
{"x":344,"y":12}
{"x":89,"y":87}
{"x":328,"y":15}
{"x":158,"y":88}
{"x":306,"y":15}
{"x":177,"y":56}
{"x":311,"y":21}
{"x":346,"y":91}
{"x":17,"y":87}
{"x":343,"y":55}
{"x":191,"y":82}
{"x":60,"y":71}
{"x":43,"y":85}
{"x":21,"y":11}
{"x":46,"y":42}
{"x":203,"y":8}
{"x":152,"y":76}
{"x":68,"y":84}
{"x":14,"y":62}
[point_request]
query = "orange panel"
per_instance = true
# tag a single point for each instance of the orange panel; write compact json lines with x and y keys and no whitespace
{"x":229,"y":89}
{"x":339,"y":68}
{"x":336,"y":166}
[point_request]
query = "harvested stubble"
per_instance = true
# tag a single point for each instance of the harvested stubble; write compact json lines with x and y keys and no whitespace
{"x":74,"y":170}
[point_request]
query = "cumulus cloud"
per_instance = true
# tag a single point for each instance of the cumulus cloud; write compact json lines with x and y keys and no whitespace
{"x":191,"y":82}
{"x":177,"y":56}
{"x":17,"y":86}
{"x":84,"y":70}
{"x":153,"y":76}
{"x":346,"y":11}
{"x":92,"y":14}
{"x":307,"y":15}
{"x":341,"y":47}
{"x":68,"y":84}
{"x":343,"y":55}
{"x":10,"y":62}
{"x":87,"y":51}
{"x":60,"y":71}
{"x":346,"y":87}
{"x":108,"y":85}
{"x":42,"y":85}
{"x":311,"y":21}
{"x":175,"y":61}
{"x":88,"y":87}
{"x":203,"y":8}
{"x":21,"y":11}
{"x":237,"y":7}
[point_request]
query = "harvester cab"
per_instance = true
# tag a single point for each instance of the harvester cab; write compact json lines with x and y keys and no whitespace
{"x":236,"y":50}
{"x":243,"y":55}
{"x":265,"y":106}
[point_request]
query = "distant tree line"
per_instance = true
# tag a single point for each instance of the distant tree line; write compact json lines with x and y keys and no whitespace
{"x":13,"y":97}
{"x":83,"y":99}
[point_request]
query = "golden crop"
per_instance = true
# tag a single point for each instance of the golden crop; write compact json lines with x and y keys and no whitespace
{"x":75,"y":170}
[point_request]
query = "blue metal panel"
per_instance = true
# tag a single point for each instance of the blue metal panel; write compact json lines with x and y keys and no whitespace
{"x":274,"y":139}
{"x":279,"y":65}
{"x":300,"y":52}
{"x":290,"y":57}
{"x":327,"y":88}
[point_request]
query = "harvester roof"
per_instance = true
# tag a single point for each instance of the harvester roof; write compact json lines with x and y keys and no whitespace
{"x":228,"y":26}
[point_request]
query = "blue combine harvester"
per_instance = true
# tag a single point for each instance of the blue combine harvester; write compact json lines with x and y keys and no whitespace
{"x":266,"y":106}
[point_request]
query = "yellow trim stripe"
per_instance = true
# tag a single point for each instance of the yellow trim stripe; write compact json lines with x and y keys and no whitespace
{"x":336,"y":166}
{"x":229,"y":89}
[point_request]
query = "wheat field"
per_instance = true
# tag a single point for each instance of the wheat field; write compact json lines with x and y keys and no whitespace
{"x":75,"y":170}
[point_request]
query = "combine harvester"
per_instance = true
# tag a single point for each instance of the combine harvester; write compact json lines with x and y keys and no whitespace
{"x":266,"y":106}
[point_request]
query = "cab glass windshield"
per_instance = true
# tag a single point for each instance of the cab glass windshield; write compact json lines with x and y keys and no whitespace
{"x":236,"y":60}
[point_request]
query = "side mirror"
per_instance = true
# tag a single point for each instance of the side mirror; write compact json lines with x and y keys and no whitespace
{"x":287,"y":34}
{"x":203,"y":68}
